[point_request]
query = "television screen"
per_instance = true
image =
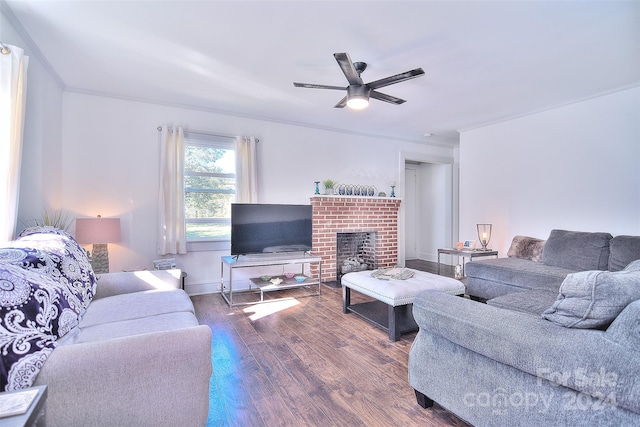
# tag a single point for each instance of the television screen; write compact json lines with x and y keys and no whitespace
{"x":270,"y":228}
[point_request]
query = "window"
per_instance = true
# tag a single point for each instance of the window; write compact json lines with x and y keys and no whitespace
{"x":209,"y":187}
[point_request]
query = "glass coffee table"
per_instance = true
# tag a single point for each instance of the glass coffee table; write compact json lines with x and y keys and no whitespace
{"x":466,"y":253}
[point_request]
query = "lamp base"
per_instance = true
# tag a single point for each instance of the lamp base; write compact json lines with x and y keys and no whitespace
{"x":100,"y":258}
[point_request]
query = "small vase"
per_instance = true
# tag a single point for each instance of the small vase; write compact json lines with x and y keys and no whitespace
{"x":328,"y":191}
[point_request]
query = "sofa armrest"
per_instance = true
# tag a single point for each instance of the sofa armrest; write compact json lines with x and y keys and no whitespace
{"x":110,"y":284}
{"x":534,"y":345}
{"x":131,"y":380}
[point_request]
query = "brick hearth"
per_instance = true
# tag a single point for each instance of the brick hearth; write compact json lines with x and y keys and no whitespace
{"x":337,"y":214}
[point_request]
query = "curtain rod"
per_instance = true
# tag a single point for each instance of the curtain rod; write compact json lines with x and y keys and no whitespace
{"x":207,"y":133}
{"x":4,"y":49}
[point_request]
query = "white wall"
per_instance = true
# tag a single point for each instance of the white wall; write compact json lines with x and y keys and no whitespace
{"x":576,"y":167}
{"x":110,"y":167}
{"x":40,"y":183}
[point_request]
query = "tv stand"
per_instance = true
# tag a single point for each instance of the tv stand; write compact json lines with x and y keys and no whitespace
{"x":257,"y":284}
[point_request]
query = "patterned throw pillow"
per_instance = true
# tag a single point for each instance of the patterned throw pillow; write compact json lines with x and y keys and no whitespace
{"x":46,"y":284}
{"x":33,"y":313}
{"x":59,"y":256}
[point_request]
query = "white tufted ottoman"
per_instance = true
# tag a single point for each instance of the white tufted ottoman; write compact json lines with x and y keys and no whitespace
{"x":397,"y":295}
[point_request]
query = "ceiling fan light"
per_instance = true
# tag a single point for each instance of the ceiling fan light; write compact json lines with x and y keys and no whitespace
{"x":358,"y":96}
{"x":357,"y":102}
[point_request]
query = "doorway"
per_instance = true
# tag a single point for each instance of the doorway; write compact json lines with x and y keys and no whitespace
{"x":430,"y":207}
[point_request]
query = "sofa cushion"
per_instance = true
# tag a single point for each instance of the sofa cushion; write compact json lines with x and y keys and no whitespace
{"x":126,"y":282}
{"x":593,"y":299}
{"x":132,"y":327}
{"x":526,"y":248}
{"x":517,"y":272}
{"x":135,"y":306}
{"x":577,"y":250}
{"x":623,"y":250}
{"x":534,"y":301}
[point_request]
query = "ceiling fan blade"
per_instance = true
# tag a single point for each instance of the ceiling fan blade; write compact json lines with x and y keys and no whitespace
{"x":396,"y":79}
{"x":314,"y":86}
{"x":386,"y":98}
{"x":347,"y":68}
{"x":342,"y":103}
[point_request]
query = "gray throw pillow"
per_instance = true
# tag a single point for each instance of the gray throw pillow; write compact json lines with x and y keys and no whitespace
{"x":526,"y":248}
{"x":593,"y":299}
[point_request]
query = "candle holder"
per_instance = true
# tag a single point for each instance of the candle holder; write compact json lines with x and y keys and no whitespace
{"x":317,"y":188}
{"x":393,"y":191}
{"x":484,"y":235}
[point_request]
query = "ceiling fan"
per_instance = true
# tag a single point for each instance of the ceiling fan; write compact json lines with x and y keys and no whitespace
{"x":358,"y":92}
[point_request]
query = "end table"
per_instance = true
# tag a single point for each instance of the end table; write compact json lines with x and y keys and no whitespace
{"x":466,"y":253}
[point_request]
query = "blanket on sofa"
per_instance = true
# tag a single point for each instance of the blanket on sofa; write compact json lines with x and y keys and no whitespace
{"x":46,"y":284}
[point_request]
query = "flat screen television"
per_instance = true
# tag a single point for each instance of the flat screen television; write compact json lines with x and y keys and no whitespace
{"x":270,"y":228}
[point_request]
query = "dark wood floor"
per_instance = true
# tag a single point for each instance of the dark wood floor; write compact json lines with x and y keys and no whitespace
{"x":301,"y":361}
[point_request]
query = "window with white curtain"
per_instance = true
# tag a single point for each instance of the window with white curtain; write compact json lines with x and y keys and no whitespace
{"x":209,"y":187}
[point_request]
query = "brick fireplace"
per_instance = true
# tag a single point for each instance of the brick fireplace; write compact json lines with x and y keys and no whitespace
{"x":346,"y":214}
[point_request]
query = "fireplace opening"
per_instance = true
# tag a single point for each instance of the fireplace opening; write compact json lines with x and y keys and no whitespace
{"x":355,"y":252}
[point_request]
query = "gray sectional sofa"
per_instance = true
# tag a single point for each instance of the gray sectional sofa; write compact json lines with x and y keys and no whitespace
{"x":118,"y":349}
{"x":540,"y":264}
{"x":558,"y":344}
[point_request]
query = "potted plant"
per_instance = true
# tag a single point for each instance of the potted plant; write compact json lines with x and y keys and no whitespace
{"x":58,"y":218}
{"x":328,"y":186}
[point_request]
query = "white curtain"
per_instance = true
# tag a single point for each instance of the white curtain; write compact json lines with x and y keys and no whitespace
{"x":172,"y":238}
{"x":246,"y":170}
{"x":13,"y":90}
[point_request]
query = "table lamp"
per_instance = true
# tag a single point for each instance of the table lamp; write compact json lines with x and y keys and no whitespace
{"x":484,"y":235}
{"x":98,"y":232}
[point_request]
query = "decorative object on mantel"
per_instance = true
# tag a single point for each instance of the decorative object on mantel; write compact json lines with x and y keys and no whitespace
{"x":484,"y":235}
{"x":328,"y":186}
{"x":356,"y":190}
{"x":317,"y":188}
{"x":382,"y":194}
{"x":393,"y":189}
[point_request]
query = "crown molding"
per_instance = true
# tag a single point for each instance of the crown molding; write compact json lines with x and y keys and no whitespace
{"x":553,"y":107}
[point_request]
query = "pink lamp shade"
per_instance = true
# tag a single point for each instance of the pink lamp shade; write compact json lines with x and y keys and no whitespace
{"x":97,"y":230}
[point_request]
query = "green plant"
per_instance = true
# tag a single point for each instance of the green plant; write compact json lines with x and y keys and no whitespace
{"x":328,"y":183}
{"x":58,"y":219}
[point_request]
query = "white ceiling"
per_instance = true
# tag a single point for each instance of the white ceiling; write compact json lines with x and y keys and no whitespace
{"x":485,"y":61}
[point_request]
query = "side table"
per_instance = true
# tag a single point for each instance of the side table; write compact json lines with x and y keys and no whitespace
{"x":465,"y":253}
{"x":34,"y":416}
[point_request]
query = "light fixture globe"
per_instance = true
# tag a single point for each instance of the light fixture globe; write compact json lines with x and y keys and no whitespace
{"x":484,"y":235}
{"x":358,"y":97}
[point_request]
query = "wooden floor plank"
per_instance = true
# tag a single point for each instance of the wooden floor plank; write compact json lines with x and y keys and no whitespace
{"x":302,"y":362}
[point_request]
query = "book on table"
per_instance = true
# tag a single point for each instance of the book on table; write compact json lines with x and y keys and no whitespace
{"x":16,"y":403}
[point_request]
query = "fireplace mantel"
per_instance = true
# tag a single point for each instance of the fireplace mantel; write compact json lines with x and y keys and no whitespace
{"x":350,"y":214}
